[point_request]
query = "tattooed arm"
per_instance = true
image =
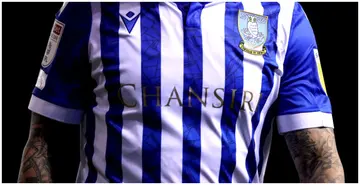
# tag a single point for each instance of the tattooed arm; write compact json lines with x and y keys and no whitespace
{"x":315,"y":155}
{"x":47,"y":152}
{"x":35,"y":166}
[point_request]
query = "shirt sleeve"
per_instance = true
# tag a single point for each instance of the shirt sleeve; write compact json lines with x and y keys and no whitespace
{"x":303,"y":101}
{"x":60,"y":92}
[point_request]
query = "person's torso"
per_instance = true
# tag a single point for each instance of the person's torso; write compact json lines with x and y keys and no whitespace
{"x":182,"y":93}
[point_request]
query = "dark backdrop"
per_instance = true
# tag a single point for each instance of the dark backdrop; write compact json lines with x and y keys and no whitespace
{"x":26,"y":28}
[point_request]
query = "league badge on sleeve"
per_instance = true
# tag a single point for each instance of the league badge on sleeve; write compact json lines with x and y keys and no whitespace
{"x":253,"y":30}
{"x":53,"y":43}
{"x":319,"y":69}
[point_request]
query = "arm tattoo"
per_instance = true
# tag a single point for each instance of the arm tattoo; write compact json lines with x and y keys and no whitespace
{"x":315,"y":155}
{"x":35,"y":166}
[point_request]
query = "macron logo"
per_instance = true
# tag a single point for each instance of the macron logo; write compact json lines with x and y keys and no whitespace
{"x":129,"y":13}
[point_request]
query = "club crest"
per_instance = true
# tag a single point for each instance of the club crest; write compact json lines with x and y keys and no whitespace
{"x":253,"y":31}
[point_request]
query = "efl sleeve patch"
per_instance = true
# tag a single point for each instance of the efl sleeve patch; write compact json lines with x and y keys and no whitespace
{"x":53,"y":43}
{"x":319,"y":69}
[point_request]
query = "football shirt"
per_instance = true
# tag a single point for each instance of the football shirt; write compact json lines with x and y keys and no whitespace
{"x":180,"y":92}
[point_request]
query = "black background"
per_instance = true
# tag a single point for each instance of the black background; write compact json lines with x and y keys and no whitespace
{"x":26,"y":28}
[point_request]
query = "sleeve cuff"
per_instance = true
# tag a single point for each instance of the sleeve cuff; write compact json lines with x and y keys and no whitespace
{"x":300,"y":121}
{"x":55,"y":112}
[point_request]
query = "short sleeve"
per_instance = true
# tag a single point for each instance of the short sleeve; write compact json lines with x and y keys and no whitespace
{"x":303,"y":101}
{"x":60,"y":91}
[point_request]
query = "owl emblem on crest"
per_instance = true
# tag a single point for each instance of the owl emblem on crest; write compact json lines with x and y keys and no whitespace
{"x":253,"y":31}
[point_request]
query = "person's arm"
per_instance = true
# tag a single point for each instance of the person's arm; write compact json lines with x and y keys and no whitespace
{"x":304,"y":108}
{"x":60,"y":99}
{"x":51,"y":147}
{"x":35,"y":164}
{"x":315,"y":155}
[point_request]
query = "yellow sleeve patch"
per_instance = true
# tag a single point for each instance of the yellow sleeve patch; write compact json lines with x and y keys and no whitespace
{"x":319,"y":69}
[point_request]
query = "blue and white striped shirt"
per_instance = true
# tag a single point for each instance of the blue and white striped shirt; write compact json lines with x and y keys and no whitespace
{"x":181,"y":92}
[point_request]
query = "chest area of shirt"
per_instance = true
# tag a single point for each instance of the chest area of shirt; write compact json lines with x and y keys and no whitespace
{"x":188,"y":31}
{"x":211,"y":30}
{"x":214,"y":56}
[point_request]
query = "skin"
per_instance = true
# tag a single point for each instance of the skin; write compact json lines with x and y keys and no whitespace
{"x":45,"y":154}
{"x":313,"y":150}
{"x":35,"y":166}
{"x":315,"y":155}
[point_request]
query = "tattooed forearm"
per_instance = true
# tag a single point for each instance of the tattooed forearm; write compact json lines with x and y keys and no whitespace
{"x":315,"y":155}
{"x":35,"y":165}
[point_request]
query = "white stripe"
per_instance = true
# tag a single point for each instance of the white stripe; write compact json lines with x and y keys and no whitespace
{"x":53,"y":111}
{"x":130,"y":73}
{"x":213,"y":77}
{"x":252,"y":73}
{"x":266,"y":151}
{"x":83,"y":169}
{"x":101,"y":94}
{"x":63,"y":7}
{"x":270,"y":100}
{"x":275,"y":89}
{"x":172,"y":65}
{"x":299,"y":121}
{"x":284,"y":25}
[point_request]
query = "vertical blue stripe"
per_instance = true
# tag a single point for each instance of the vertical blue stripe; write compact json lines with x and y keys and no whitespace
{"x":265,"y":132}
{"x":151,"y":80}
{"x":233,"y":81}
{"x":109,"y":27}
{"x":271,"y":10}
{"x":91,"y":99}
{"x":193,"y":73}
